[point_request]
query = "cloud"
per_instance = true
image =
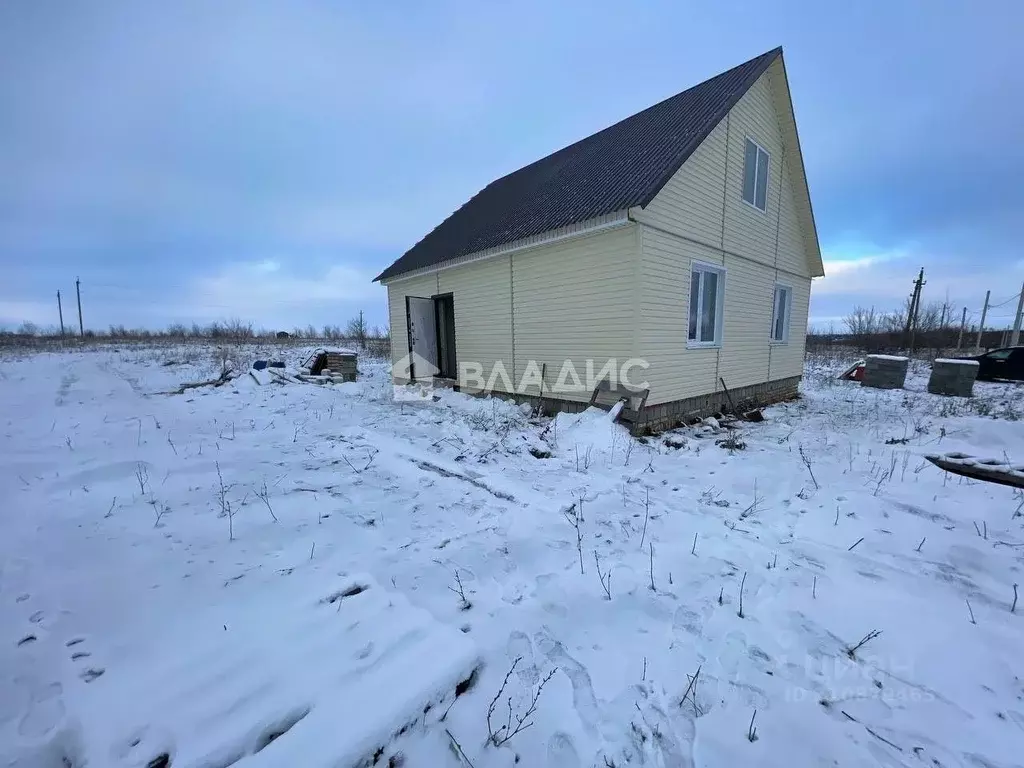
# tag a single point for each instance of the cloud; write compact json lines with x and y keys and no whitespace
{"x":270,"y":294}
{"x":852,"y":274}
{"x":885,"y":281}
{"x":14,"y":313}
{"x":238,"y":288}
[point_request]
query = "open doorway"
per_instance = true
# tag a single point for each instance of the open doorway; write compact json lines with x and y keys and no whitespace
{"x":431,"y":327}
{"x":444,"y":312}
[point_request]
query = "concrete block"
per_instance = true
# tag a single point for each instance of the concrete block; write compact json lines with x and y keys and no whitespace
{"x":885,"y":371}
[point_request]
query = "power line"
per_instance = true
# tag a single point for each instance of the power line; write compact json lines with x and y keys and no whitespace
{"x":1003,"y":303}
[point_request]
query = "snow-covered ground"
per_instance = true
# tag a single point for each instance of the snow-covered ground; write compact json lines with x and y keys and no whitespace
{"x":322,"y":576}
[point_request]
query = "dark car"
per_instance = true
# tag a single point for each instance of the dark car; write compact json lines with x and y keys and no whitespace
{"x":1006,"y":363}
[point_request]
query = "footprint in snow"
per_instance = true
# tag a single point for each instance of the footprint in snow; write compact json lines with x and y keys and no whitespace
{"x":361,"y":654}
{"x":728,"y":652}
{"x":583,"y":698}
{"x":686,"y":621}
{"x":44,"y":713}
{"x":519,"y":646}
{"x":80,"y":654}
{"x":91,"y":673}
{"x":756,"y":654}
{"x":561,"y":752}
{"x":749,"y":695}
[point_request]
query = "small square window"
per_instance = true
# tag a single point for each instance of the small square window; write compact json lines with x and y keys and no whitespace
{"x":707,"y":290}
{"x":755,"y":175}
{"x":781,"y":311}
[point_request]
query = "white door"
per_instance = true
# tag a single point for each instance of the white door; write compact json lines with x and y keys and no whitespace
{"x":422,"y":337}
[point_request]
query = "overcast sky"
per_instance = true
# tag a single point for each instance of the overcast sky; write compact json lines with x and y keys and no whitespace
{"x":264,"y":161}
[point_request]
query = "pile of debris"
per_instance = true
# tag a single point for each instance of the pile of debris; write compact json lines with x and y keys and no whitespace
{"x":226,"y":375}
{"x":332,"y":364}
{"x":321,"y":367}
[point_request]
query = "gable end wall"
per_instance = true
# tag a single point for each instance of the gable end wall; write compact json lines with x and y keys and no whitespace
{"x":700,"y":216}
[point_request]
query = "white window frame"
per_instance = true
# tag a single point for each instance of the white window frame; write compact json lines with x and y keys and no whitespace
{"x":788,"y":290}
{"x":701,"y":266}
{"x":767,"y":176}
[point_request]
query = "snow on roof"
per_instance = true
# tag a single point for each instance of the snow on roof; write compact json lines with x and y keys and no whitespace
{"x":950,"y":361}
{"x":896,"y":358}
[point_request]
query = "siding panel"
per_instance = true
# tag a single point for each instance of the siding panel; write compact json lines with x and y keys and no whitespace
{"x":792,"y":257}
{"x":675,"y":371}
{"x":482,"y":296}
{"x":748,"y":231}
{"x":575,"y":300}
{"x":749,"y":294}
{"x":691,"y":202}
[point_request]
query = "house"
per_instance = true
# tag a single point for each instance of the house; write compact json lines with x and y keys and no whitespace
{"x":665,"y":254}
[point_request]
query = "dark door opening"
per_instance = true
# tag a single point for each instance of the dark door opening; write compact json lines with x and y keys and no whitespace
{"x":431,"y":327}
{"x":444,"y":312}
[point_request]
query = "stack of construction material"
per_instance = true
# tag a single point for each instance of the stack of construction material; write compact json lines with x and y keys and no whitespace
{"x":336,"y":363}
{"x":885,"y":371}
{"x":953,"y":377}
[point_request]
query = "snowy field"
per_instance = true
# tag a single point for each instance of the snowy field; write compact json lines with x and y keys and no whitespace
{"x":303,"y":576}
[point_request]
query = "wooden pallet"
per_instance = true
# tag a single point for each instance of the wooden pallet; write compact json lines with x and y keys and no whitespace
{"x":987,"y":470}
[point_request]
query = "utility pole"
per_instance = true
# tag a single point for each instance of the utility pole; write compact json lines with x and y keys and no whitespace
{"x":963,"y":323}
{"x":984,"y":311}
{"x":1015,"y":339}
{"x":60,"y":314}
{"x":915,"y":305}
{"x":78,"y":293}
{"x":910,"y":317}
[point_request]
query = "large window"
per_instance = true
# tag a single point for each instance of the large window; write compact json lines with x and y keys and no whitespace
{"x":780,"y":314}
{"x":707,"y":292}
{"x":755,"y":175}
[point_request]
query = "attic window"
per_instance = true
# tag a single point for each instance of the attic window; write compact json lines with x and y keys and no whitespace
{"x":755,"y":175}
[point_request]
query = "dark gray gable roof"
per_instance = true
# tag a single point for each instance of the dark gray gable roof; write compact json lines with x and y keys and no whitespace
{"x":623,"y":166}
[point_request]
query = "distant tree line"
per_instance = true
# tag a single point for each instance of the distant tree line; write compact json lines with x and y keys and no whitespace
{"x":937,"y":329}
{"x":356,"y":330}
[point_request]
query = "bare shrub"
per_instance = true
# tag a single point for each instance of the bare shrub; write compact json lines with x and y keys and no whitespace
{"x":501,"y":734}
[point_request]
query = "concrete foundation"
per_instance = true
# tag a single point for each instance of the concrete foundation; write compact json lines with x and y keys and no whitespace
{"x":664,"y":416}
